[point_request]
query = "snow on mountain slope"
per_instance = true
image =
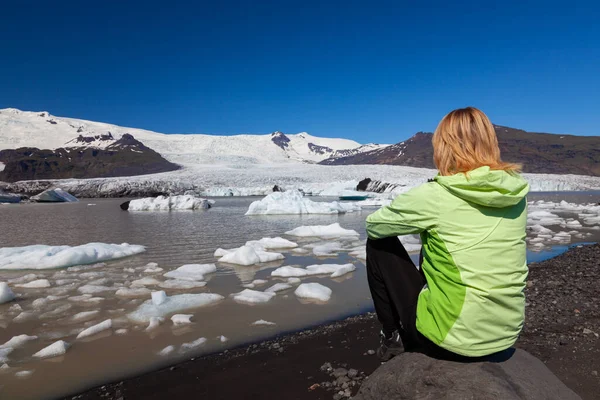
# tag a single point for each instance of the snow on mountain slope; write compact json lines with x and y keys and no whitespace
{"x":42,"y":130}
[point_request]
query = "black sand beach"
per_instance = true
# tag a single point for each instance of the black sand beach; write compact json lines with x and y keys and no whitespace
{"x":562,"y":329}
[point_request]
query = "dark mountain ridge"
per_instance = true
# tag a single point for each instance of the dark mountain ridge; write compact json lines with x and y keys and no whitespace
{"x":125,"y":157}
{"x":537,"y":152}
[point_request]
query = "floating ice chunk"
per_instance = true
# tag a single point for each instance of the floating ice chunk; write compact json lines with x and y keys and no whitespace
{"x":24,"y":316}
{"x":154,"y":323}
{"x":263,"y":322}
{"x":221,"y":252}
{"x":18,"y":341}
{"x":272,"y":243}
{"x":323,"y":231}
{"x":314,"y":291}
{"x":222,"y":338}
{"x":181,"y":319}
{"x":574,"y":224}
{"x":55,"y":349}
{"x":166,"y":351}
{"x":170,"y":203}
{"x":24,"y":278}
{"x":92,"y":330}
{"x":15,"y":308}
{"x":145,"y":282}
{"x":46,"y":257}
{"x":93,"y":289}
{"x":4,"y":352}
{"x":6,"y":294}
{"x":293,"y":202}
{"x":287,"y":271}
{"x":192,"y":345}
{"x":159,"y":297}
{"x":343,"y":270}
{"x":37,"y":284}
{"x":121,"y":331}
{"x":172,"y":304}
{"x":152,"y":268}
{"x":39,"y":303}
{"x":247,"y":255}
{"x":181,"y":284}
{"x":334,"y":270}
{"x":133,"y":292}
{"x":300,"y":251}
{"x":294,"y":280}
{"x":85,"y":315}
{"x":23,"y":374}
{"x":359,"y":252}
{"x":379,"y":202}
{"x":56,"y":311}
{"x":278,"y":287}
{"x":327,"y":249}
{"x":191,"y":272}
{"x":56,"y":195}
{"x":252,"y":296}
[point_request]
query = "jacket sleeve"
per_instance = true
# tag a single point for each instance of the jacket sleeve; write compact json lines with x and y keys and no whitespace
{"x":412,"y":212}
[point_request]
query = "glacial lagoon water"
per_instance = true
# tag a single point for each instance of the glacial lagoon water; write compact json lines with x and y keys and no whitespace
{"x":172,"y":239}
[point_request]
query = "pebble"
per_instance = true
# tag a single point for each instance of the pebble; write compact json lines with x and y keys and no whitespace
{"x":352,"y":373}
{"x":339,"y":372}
{"x":370,"y":352}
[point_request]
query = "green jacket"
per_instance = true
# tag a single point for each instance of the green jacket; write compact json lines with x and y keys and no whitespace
{"x":473,"y":233}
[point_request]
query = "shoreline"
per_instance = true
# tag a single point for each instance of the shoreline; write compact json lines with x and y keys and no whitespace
{"x":562,"y":328}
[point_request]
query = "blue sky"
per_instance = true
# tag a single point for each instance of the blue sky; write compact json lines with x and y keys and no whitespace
{"x":369,"y":71}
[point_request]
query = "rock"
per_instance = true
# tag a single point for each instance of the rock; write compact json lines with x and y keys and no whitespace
{"x":352,"y":373}
{"x":417,"y":376}
{"x":326,"y":366}
{"x":338,"y":372}
{"x":125,"y":206}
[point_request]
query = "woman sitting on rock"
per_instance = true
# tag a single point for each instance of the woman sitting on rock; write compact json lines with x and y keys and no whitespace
{"x":467,"y":299}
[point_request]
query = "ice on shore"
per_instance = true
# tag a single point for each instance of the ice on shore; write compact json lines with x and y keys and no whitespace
{"x":47,"y":257}
{"x":6,"y":294}
{"x":37,"y":284}
{"x":293,"y":202}
{"x":334,"y":270}
{"x":191,"y":272}
{"x":56,"y":195}
{"x":172,"y":304}
{"x":323,"y":231}
{"x":263,"y":322}
{"x":55,"y":349}
{"x":278,"y":287}
{"x":192,"y":345}
{"x":253,"y":296}
{"x":248,"y":255}
{"x":313,"y":291}
{"x":166,"y":351}
{"x":92,"y":330}
{"x":170,"y":203}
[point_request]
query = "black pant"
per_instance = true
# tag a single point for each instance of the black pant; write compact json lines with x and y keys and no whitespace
{"x":395,"y":284}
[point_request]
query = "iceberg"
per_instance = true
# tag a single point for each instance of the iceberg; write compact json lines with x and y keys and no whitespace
{"x":55,"y":349}
{"x":322,"y":231}
{"x":170,"y":203}
{"x":54,"y":196}
{"x":172,"y":304}
{"x":293,"y":202}
{"x":47,"y":257}
{"x":9,"y":197}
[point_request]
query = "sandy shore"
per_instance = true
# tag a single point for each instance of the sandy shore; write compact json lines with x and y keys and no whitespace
{"x":562,"y":329}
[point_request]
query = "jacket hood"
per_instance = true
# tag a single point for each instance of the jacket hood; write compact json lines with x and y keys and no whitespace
{"x":486,"y":187}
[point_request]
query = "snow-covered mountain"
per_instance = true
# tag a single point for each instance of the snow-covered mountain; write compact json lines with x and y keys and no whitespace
{"x":42,"y":130}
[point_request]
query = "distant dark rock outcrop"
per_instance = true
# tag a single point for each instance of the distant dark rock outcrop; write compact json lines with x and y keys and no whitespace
{"x":538,"y":152}
{"x":280,"y":139}
{"x":125,"y":157}
{"x":416,"y":376}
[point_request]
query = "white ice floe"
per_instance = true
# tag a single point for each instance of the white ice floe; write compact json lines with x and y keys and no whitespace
{"x":154,"y":323}
{"x":24,"y":316}
{"x":56,"y":195}
{"x":159,"y":297}
{"x":37,"y":284}
{"x":132,"y":292}
{"x":172,"y":304}
{"x":181,"y":284}
{"x":374,"y":203}
{"x":327,"y":249}
{"x":278,"y":287}
{"x":334,"y":270}
{"x":46,"y":257}
{"x":192,"y":345}
{"x":147,"y":281}
{"x":263,"y":322}
{"x":92,"y":330}
{"x":93,"y":289}
{"x":55,"y":349}
{"x":252,"y":296}
{"x":170,"y":203}
{"x":85,"y":316}
{"x":4,"y":352}
{"x":6,"y":294}
{"x":181,"y":319}
{"x":359,"y":252}
{"x":313,"y":291}
{"x":322,"y":231}
{"x":152,"y":268}
{"x":272,"y":243}
{"x":294,"y":280}
{"x":23,"y":374}
{"x":121,"y":331}
{"x":191,"y":272}
{"x":166,"y":351}
{"x":293,"y":202}
{"x":222,"y":338}
{"x":248,"y":255}
{"x":18,"y":341}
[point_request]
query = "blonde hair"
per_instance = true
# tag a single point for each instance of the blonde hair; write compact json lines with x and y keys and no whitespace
{"x":465,"y":140}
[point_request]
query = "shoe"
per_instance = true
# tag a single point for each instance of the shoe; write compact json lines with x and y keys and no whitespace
{"x":390,"y":346}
